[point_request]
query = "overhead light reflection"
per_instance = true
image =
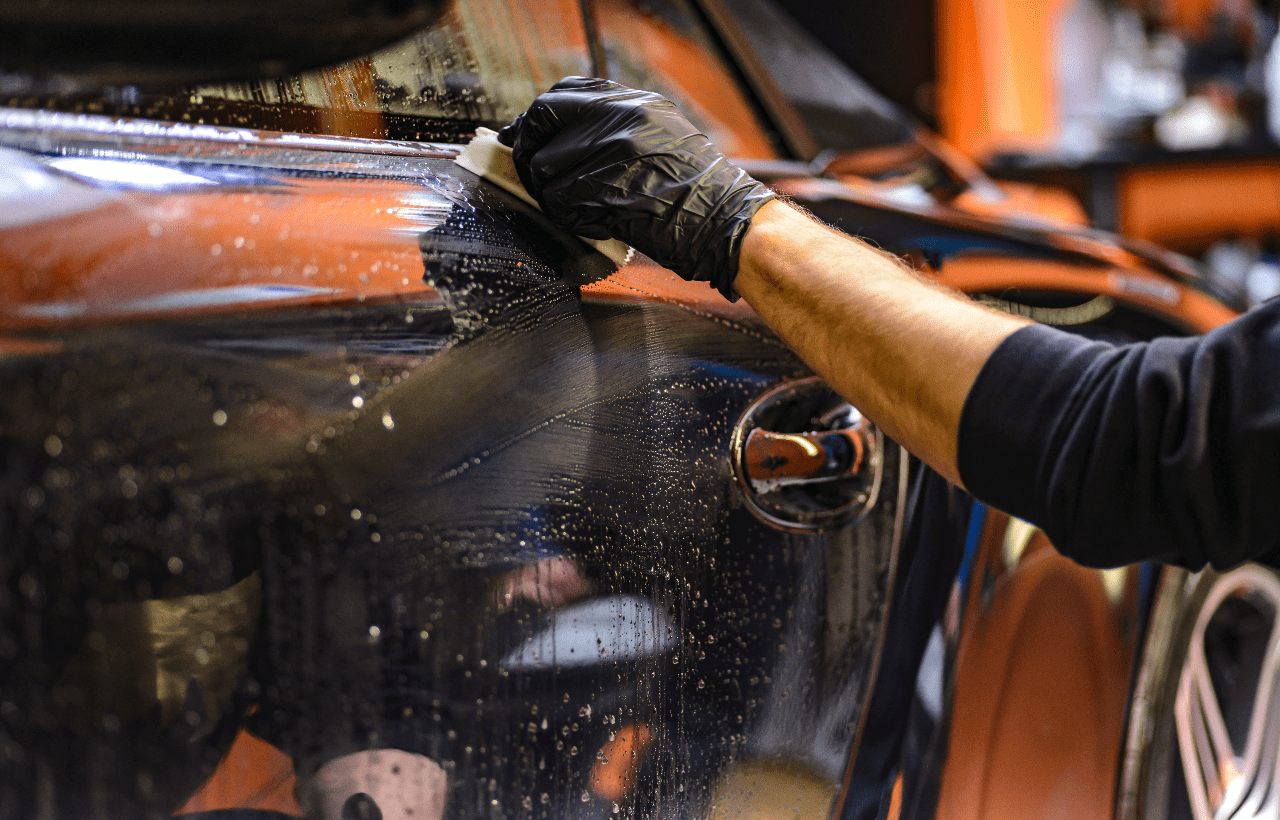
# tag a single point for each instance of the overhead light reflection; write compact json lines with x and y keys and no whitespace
{"x":117,"y":173}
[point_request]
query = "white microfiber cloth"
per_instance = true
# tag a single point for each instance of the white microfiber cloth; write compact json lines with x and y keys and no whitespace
{"x":485,"y":157}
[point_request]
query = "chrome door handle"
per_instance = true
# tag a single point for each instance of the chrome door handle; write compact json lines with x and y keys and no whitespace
{"x":805,"y":459}
{"x":797,"y":458}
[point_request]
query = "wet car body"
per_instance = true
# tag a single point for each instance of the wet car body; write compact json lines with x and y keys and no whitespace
{"x":302,"y":428}
{"x":373,"y":460}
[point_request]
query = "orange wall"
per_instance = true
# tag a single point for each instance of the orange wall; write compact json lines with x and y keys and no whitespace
{"x":995,"y":73}
{"x":996,"y":84}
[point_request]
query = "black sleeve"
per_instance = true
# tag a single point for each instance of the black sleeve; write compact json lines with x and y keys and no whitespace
{"x":1165,"y":450}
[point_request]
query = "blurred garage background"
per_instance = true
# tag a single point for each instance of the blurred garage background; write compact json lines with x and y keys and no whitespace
{"x":1159,"y":117}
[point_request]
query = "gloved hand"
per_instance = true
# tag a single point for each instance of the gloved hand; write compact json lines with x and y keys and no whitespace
{"x":606,"y":160}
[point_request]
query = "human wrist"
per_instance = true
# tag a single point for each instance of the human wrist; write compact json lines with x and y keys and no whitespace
{"x":771,"y":231}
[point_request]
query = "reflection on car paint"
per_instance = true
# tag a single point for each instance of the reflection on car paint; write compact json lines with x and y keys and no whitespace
{"x":179,"y":300}
{"x":1064,"y":676}
{"x":267,"y":231}
{"x":111,"y":173}
{"x":29,"y":193}
{"x":610,"y":629}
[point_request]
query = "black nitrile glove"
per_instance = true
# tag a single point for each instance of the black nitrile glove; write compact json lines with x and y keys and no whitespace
{"x":606,"y":160}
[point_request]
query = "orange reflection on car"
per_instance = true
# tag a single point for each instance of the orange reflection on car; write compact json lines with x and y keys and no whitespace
{"x":253,"y":775}
{"x":149,"y":254}
{"x":618,"y":761}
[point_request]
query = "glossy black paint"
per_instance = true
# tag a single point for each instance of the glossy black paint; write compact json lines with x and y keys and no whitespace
{"x":510,"y":421}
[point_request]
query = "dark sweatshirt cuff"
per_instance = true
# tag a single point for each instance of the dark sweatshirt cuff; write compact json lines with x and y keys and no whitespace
{"x":1009,"y":417}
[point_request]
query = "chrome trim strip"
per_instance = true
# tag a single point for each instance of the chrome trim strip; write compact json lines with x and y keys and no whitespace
{"x":125,"y":131}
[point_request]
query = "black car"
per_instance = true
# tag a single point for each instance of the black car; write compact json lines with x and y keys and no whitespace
{"x":318,"y":448}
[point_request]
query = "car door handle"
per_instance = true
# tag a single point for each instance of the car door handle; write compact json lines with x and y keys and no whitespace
{"x":797,"y":458}
{"x":805,"y":459}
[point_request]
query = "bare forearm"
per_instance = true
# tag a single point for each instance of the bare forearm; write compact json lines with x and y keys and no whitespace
{"x":600,"y":156}
{"x":902,"y":350}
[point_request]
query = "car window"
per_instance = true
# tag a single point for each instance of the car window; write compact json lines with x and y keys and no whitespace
{"x":481,"y":63}
{"x":663,"y":46}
